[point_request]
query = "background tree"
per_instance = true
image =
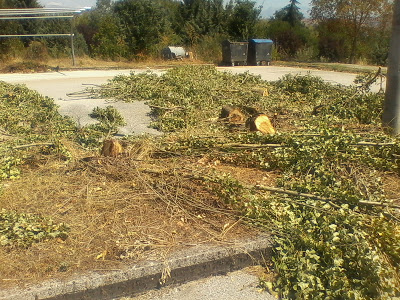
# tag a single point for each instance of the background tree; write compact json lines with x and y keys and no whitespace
{"x":16,"y":27}
{"x":89,"y":23}
{"x":109,"y":41}
{"x":21,"y":4}
{"x":103,"y":32}
{"x":378,"y":36}
{"x":200,"y":18}
{"x":354,"y":16}
{"x":288,"y":31}
{"x":143,"y":23}
{"x":290,"y":13}
{"x":261,"y":29}
{"x":243,"y":20}
{"x":333,"y":42}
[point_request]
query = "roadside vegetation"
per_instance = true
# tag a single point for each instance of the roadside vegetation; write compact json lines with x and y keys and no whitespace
{"x":137,"y":30}
{"x":325,"y":185}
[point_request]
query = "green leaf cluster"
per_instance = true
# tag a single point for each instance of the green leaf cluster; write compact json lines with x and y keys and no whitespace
{"x":28,"y":118}
{"x":110,"y":119}
{"x":22,"y":230}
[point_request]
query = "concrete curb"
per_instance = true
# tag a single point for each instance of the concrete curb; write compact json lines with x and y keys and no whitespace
{"x":189,"y":264}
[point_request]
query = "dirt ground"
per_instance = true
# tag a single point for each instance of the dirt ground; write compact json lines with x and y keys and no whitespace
{"x":119,"y":210}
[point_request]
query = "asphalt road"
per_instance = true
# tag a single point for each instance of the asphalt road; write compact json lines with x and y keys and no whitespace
{"x":238,"y":285}
{"x":272,"y":73}
{"x":60,"y":85}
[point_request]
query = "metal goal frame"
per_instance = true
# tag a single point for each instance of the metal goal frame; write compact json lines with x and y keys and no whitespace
{"x":43,"y":13}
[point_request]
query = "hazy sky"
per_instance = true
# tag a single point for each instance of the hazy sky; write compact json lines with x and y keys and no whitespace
{"x":269,"y":6}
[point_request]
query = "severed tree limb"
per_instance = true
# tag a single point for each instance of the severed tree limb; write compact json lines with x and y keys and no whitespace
{"x":250,"y":146}
{"x":239,"y":146}
{"x":166,"y":108}
{"x":288,"y":192}
{"x":315,"y":197}
{"x":258,"y":146}
{"x":373,"y":144}
{"x":33,"y":145}
{"x":378,"y":74}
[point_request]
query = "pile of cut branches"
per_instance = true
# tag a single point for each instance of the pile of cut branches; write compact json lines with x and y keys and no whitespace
{"x":326,"y":184}
{"x":333,"y":212}
{"x":30,"y":131}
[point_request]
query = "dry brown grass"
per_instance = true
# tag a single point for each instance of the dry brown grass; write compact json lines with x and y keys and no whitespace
{"x":24,"y":66}
{"x":391,"y":184}
{"x":119,"y":210}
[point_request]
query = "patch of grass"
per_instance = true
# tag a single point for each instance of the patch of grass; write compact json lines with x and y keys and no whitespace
{"x":26,"y":67}
{"x":119,"y":211}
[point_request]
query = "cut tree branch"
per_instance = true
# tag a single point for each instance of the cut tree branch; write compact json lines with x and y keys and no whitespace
{"x":315,"y":197}
{"x":33,"y":145}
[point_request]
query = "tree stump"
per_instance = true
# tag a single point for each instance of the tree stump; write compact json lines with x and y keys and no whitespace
{"x":232,"y":114}
{"x":111,"y":148}
{"x":260,"y":122}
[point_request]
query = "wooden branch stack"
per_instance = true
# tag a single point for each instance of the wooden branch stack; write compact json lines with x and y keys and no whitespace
{"x":254,"y":120}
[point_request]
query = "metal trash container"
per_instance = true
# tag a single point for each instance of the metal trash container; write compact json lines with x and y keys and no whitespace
{"x":260,"y":51}
{"x":234,"y":53}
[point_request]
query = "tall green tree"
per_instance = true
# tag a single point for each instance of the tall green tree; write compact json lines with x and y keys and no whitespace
{"x":109,"y":41}
{"x":355,"y":15}
{"x":91,"y":23}
{"x":104,"y":5}
{"x":200,"y":18}
{"x":20,"y":4}
{"x":288,"y":31}
{"x":333,"y":41}
{"x":17,"y":27}
{"x":144,"y":23}
{"x":290,"y":13}
{"x":243,"y":19}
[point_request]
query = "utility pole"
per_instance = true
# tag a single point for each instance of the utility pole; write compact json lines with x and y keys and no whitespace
{"x":391,"y":110}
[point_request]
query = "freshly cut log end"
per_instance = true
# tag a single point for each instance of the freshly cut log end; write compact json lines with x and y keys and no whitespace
{"x":232,"y":114}
{"x":260,"y":123}
{"x":111,"y":148}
